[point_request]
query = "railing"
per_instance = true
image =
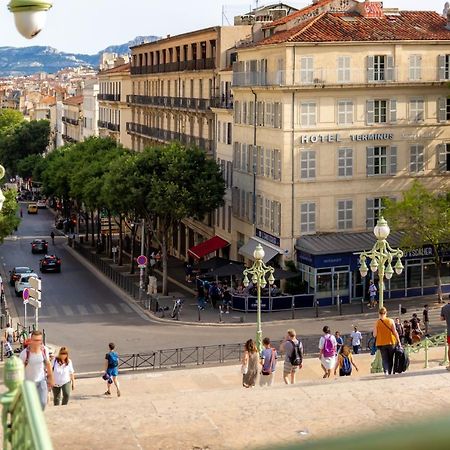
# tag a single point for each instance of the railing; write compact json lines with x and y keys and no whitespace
{"x":69,"y":120}
{"x":427,"y":343}
{"x":67,"y":138}
{"x":108,"y":125}
{"x":109,"y":97}
{"x":193,"y":64}
{"x":222,"y":102}
{"x":23,"y":421}
{"x":197,"y":104}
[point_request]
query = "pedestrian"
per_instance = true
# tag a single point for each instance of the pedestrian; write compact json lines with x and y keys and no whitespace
{"x":9,"y":334}
{"x":416,"y":332}
{"x":407,"y":333}
{"x":268,"y":363}
{"x":64,"y":376}
{"x":426,"y":320}
{"x":400,"y":329}
{"x":111,"y":369}
{"x":387,"y":338}
{"x":445,"y":315}
{"x":21,"y":212}
{"x":188,"y":270}
{"x":356,"y":340}
{"x":339,"y":341}
{"x":293,"y":360}
{"x":37,"y":366}
{"x":345,"y":362}
{"x":226,"y":299}
{"x":52,"y":235}
{"x":327,"y":355}
{"x":372,"y":294}
{"x":249,"y":366}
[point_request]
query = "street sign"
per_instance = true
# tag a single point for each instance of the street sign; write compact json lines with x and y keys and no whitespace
{"x":35,"y":294}
{"x":26,"y":294}
{"x":35,"y":283}
{"x":142,"y":260}
{"x":33,"y":302}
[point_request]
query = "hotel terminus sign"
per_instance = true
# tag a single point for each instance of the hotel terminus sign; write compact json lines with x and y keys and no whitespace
{"x":336,"y":137}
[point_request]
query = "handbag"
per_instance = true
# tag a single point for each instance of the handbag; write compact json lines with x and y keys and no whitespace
{"x":244,"y":369}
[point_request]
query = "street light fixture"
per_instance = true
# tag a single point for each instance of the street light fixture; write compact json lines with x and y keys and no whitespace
{"x":2,"y":197}
{"x":29,"y":16}
{"x":381,"y":257}
{"x":258,"y":273}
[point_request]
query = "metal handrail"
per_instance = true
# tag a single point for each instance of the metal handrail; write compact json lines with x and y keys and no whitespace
{"x":433,"y":341}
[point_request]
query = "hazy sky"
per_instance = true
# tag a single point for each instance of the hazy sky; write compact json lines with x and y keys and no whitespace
{"x":87,"y":26}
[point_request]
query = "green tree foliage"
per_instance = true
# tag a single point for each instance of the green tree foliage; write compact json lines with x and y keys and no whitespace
{"x":31,"y":166}
{"x":9,"y":118}
{"x":8,"y":215}
{"x":424,"y":218}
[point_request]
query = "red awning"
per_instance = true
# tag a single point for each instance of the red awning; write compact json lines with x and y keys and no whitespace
{"x":207,"y":247}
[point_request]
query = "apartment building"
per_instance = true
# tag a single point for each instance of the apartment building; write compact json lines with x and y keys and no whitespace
{"x":114,"y":111}
{"x":174,"y":84}
{"x":72,"y":119}
{"x":341,"y":105}
{"x":90,"y":108}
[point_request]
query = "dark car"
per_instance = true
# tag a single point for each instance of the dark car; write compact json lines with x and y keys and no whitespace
{"x":39,"y":246}
{"x":14,"y":274}
{"x":50,"y":263}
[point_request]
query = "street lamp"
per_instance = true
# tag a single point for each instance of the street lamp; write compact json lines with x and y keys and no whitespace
{"x":258,"y":273}
{"x":381,"y":257}
{"x":2,"y":197}
{"x":29,"y":16}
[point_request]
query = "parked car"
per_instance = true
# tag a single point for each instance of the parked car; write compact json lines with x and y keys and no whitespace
{"x":39,"y":246}
{"x":32,"y":208}
{"x":23,"y":282}
{"x":41,"y":204}
{"x":14,"y":274}
{"x":50,"y":263}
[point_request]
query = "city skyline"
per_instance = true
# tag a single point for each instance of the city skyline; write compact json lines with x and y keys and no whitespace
{"x":110,"y":28}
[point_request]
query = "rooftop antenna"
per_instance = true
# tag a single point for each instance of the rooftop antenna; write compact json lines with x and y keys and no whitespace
{"x":224,"y":16}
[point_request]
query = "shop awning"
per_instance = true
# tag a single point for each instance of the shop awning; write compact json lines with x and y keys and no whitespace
{"x":270,"y":250}
{"x":207,"y":247}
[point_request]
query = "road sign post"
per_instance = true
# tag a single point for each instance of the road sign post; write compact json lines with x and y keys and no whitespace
{"x":35,"y":298}
{"x":26,"y":297}
{"x":142,"y":264}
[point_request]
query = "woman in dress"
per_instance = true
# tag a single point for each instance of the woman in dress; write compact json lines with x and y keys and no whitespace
{"x":328,"y":350}
{"x":250,"y":361}
{"x":64,"y":377}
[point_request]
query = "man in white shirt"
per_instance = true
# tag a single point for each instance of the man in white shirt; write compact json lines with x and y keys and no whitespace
{"x":37,"y":366}
{"x":356,"y":340}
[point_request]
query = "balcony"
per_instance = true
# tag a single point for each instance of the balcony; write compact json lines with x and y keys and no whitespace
{"x":196,"y":104}
{"x":332,"y":77}
{"x":193,"y":64}
{"x":222,"y":102}
{"x":67,"y":138}
{"x":108,"y":125}
{"x":167,"y":136}
{"x":109,"y":97}
{"x":70,"y":120}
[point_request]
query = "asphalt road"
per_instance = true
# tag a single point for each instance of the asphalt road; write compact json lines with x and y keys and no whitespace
{"x":84,"y":312}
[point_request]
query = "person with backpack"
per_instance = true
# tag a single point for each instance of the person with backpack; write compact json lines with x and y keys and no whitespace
{"x":268,"y":363}
{"x":9,"y":334}
{"x":327,"y":355}
{"x":37,"y":366}
{"x":345,"y":362}
{"x":293,"y":349}
{"x":64,"y":377}
{"x":111,"y":369}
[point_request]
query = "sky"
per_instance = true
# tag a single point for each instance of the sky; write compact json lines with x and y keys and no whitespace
{"x":88,"y":26}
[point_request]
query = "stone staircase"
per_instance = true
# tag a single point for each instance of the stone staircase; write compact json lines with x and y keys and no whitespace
{"x":206,"y":408}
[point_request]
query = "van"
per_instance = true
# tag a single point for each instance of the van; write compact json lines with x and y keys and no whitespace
{"x":32,"y":208}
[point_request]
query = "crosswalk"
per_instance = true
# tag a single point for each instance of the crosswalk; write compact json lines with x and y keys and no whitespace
{"x":93,"y":309}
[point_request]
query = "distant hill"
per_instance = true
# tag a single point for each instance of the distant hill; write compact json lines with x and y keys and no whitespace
{"x":29,"y":60}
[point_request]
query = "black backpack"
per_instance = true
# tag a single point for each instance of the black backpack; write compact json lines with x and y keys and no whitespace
{"x":296,"y":357}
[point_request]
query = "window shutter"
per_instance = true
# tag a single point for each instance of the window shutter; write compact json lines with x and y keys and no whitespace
{"x":370,"y":111}
{"x":235,"y":155}
{"x":370,"y":218}
{"x":229,"y":174}
{"x":442,"y":157}
{"x":260,"y":169}
{"x":411,"y":65}
{"x":277,"y":160}
{"x":370,"y":69}
{"x":390,"y":68}
{"x":441,"y":67}
{"x":393,"y":160}
{"x":393,"y":111}
{"x":272,"y":165}
{"x":370,"y":161}
{"x":442,"y":109}
{"x":272,"y":215}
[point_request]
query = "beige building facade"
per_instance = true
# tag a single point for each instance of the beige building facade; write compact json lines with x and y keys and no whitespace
{"x":72,"y":119}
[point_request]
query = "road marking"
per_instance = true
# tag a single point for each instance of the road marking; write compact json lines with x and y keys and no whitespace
{"x":111,"y":308}
{"x":82,"y":310}
{"x":67,"y":310}
{"x":51,"y":311}
{"x":96,"y":308}
{"x":125,"y":307}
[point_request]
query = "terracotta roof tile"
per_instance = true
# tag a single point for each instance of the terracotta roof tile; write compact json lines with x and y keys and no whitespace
{"x":77,"y":100}
{"x":118,"y":69}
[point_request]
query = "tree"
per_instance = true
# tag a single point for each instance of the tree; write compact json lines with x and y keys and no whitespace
{"x":8,"y":215}
{"x":9,"y":118}
{"x":31,"y":167}
{"x":424,"y":218}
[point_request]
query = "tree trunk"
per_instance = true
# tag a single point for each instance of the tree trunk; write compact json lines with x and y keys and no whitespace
{"x":133,"y":245}
{"x":164,"y":255}
{"x":109,"y":243}
{"x":86,"y":218}
{"x":99,"y":225}
{"x":92,"y":229}
{"x":438,"y":279}
{"x":120,"y":262}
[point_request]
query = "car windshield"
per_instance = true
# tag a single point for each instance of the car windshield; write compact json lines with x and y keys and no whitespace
{"x":22,"y":270}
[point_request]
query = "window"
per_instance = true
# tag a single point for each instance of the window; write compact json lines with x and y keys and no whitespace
{"x":444,"y":157}
{"x":308,"y":217}
{"x":307,"y":114}
{"x":307,"y":164}
{"x":380,"y":68}
{"x":416,"y":158}
{"x":381,"y":111}
{"x":345,"y":112}
{"x":269,"y":118}
{"x":444,"y":67}
{"x":415,"y":67}
{"x":374,"y":210}
{"x":343,"y":71}
{"x":277,"y":115}
{"x":237,"y":112}
{"x":229,"y":135}
{"x":345,"y":214}
{"x":416,"y":110}
{"x":306,"y":69}
{"x":219,"y":129}
{"x":381,"y":160}
{"x":443,"y":109}
{"x":345,"y":162}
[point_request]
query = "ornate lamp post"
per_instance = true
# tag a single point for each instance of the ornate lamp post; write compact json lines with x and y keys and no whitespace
{"x":29,"y":16}
{"x":381,"y":257}
{"x":258,"y":273}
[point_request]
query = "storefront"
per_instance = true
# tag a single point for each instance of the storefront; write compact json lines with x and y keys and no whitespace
{"x":329,"y":265}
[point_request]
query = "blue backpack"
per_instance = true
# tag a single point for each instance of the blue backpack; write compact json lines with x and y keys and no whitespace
{"x":113,"y":359}
{"x":346,"y":365}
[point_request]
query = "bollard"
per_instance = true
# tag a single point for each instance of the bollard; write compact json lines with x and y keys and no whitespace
{"x":426,"y":352}
{"x":316,"y":303}
{"x":339,"y":305}
{"x":399,"y":310}
{"x":199,"y":314}
{"x":220,"y":314}
{"x":293,"y":308}
{"x":362,"y":305}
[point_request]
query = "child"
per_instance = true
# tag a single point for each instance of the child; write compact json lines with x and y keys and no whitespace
{"x":345,"y":362}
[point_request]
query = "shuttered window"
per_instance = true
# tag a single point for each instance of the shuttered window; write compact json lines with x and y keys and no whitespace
{"x":345,"y":162}
{"x":307,"y":164}
{"x":307,"y":217}
{"x":306,"y":69}
{"x":415,"y":67}
{"x":343,"y":69}
{"x":416,"y":158}
{"x":345,"y":112}
{"x":307,"y":114}
{"x":444,"y":67}
{"x":416,"y":110}
{"x":381,"y":160}
{"x":344,"y":214}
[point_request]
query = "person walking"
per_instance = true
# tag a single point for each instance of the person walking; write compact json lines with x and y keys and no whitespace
{"x":249,"y":364}
{"x":407,"y":333}
{"x":339,"y":341}
{"x":356,"y":340}
{"x":400,"y":329}
{"x":293,"y":350}
{"x":52,"y":235}
{"x":327,"y":355}
{"x":9,"y":334}
{"x":64,"y":377}
{"x":445,"y":315}
{"x":268,"y":363}
{"x":111,"y":369}
{"x":426,"y":320}
{"x":372,"y":294}
{"x":345,"y":362}
{"x":37,"y":366}
{"x":416,"y":332}
{"x":387,"y":338}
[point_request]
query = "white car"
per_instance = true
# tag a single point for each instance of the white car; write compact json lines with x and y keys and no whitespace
{"x":23,"y":282}
{"x":41,"y":204}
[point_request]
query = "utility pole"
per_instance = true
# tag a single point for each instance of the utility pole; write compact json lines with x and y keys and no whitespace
{"x":142,"y":266}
